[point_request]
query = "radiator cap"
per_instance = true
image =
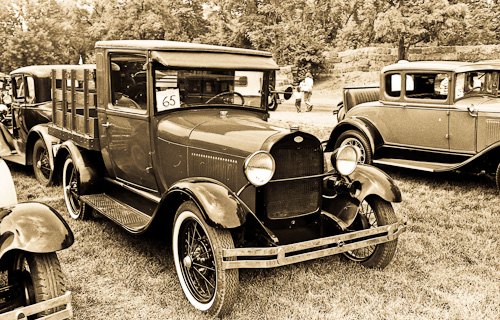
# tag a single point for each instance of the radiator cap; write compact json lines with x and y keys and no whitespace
{"x":294,"y":127}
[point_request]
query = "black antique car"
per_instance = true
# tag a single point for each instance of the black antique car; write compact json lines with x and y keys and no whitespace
{"x":176,"y":138}
{"x":31,"y":280}
{"x":23,"y":122}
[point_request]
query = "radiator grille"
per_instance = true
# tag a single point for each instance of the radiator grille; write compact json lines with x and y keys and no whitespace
{"x":493,"y":131}
{"x":289,"y":199}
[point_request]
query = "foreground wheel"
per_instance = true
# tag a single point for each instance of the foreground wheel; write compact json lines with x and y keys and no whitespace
{"x":39,"y":277}
{"x":198,"y":261}
{"x":357,"y":139}
{"x":77,"y":209}
{"x":497,"y":178}
{"x":374,"y":212}
{"x":41,"y":163}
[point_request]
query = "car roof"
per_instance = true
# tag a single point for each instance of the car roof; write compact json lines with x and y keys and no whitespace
{"x":45,"y":70}
{"x":162,"y":45}
{"x":444,"y":66}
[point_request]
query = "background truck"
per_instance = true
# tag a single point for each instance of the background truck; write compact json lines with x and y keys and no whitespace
{"x":175,"y":136}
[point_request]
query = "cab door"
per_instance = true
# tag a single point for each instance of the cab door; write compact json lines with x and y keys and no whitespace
{"x":126,"y":123}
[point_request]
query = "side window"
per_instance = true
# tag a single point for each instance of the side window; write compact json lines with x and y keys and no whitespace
{"x":30,"y":98}
{"x":19,"y":87}
{"x":128,"y":82}
{"x":393,"y":85}
{"x":427,"y":86}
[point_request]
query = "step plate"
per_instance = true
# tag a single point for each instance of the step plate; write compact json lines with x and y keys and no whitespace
{"x":418,"y":165}
{"x":122,"y":214}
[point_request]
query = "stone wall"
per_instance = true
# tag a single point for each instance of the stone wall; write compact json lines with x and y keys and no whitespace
{"x":373,"y":59}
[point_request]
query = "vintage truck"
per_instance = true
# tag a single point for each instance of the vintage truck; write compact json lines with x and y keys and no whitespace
{"x":174,"y":136}
{"x":433,"y":116}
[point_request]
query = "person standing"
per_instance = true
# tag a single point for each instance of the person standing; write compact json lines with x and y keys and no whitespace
{"x":307,"y":89}
{"x":298,"y":97}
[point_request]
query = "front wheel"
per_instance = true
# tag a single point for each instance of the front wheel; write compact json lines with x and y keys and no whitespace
{"x":372,"y":213}
{"x":39,"y":278}
{"x":77,"y":209}
{"x":497,"y":178}
{"x":197,"y":250}
{"x":41,"y":163}
{"x":357,"y":139}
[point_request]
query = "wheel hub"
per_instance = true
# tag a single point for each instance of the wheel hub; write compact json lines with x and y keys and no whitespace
{"x":188,"y":262}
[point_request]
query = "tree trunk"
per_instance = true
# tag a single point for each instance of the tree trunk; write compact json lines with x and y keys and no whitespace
{"x":401,"y":49}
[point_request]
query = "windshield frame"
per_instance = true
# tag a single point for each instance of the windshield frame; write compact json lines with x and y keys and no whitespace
{"x":490,"y":84}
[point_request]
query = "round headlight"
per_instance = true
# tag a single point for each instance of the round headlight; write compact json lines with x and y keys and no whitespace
{"x":7,"y":99}
{"x":259,"y":168}
{"x":345,"y":159}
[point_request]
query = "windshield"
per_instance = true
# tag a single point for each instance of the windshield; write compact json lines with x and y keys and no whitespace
{"x":176,"y":88}
{"x":476,"y":83}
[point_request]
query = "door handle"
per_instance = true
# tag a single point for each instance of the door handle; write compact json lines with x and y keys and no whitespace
{"x":106,"y":125}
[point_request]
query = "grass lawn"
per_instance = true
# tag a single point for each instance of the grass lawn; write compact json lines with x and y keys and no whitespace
{"x":447,"y":265}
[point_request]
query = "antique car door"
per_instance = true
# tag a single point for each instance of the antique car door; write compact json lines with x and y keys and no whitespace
{"x":127,"y":123}
{"x":420,"y":118}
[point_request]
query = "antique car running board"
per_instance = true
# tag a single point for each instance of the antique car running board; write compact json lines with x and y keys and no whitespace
{"x":23,"y":313}
{"x":307,"y":250}
{"x":117,"y":211}
{"x":418,"y":165}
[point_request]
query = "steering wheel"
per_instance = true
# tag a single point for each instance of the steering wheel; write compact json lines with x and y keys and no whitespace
{"x":226,"y":97}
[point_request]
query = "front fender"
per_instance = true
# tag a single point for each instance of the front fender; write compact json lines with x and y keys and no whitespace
{"x":219,"y":205}
{"x":359,"y":124}
{"x":375,"y":182}
{"x":33,"y":227}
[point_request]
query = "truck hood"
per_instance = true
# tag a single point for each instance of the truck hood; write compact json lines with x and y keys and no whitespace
{"x":237,"y":133}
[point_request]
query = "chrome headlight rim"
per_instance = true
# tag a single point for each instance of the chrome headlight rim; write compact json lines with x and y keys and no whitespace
{"x":7,"y":99}
{"x":345,"y":159}
{"x":257,"y":178}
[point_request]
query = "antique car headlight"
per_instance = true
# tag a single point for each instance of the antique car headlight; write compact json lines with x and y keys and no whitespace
{"x":345,"y":159}
{"x":7,"y":99}
{"x":259,"y":168}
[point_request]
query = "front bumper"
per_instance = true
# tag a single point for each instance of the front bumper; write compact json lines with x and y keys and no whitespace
{"x":312,"y":249}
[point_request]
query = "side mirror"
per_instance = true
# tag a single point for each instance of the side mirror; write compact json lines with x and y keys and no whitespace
{"x":8,"y":195}
{"x":288,"y":93}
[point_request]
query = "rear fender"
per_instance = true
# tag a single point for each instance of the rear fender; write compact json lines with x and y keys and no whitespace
{"x":360,"y":124}
{"x":41,"y":131}
{"x":220,"y":207}
{"x":33,"y":227}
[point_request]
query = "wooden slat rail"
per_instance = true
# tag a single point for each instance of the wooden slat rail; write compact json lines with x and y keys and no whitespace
{"x":23,"y":313}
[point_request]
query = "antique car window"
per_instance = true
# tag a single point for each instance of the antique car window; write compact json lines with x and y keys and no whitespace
{"x":19,"y":87}
{"x":176,"y":88}
{"x":475,"y":83}
{"x":30,"y":98}
{"x":393,"y":85}
{"x":427,"y":86}
{"x":128,"y":82}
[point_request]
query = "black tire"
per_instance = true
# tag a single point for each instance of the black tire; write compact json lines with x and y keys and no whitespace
{"x":77,"y":209}
{"x":355,"y":138}
{"x":41,"y":163}
{"x":497,"y":178}
{"x":374,"y":212}
{"x":40,"y":278}
{"x":198,"y":262}
{"x":273,"y":100}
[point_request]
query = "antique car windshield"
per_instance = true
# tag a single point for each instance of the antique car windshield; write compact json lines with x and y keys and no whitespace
{"x":176,"y":88}
{"x":476,"y":83}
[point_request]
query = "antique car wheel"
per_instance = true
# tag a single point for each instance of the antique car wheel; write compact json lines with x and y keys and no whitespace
{"x":223,"y":94}
{"x":272,"y":100}
{"x":374,"y":212}
{"x":77,"y":209}
{"x":39,"y":276}
{"x":355,"y":138}
{"x":497,"y":178}
{"x":198,"y":261}
{"x":41,"y":163}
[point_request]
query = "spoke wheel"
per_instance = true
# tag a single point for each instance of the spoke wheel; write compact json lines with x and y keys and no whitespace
{"x":39,"y":278}
{"x":357,"y":139}
{"x":198,"y":261}
{"x":77,"y":209}
{"x":372,"y":213}
{"x":41,"y":163}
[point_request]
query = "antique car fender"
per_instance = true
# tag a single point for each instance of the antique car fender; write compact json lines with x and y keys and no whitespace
{"x":361,"y":124}
{"x":365,"y":181}
{"x":32,"y":227}
{"x":220,"y":206}
{"x":41,"y":131}
{"x":89,"y":164}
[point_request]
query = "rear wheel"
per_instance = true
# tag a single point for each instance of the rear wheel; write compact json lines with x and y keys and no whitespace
{"x":197,"y":251}
{"x":374,"y":212}
{"x":41,"y":163}
{"x":77,"y":209}
{"x":497,"y":178}
{"x":357,"y":139}
{"x":39,"y":277}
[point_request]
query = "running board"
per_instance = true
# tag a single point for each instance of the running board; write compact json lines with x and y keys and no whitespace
{"x":418,"y":165}
{"x":129,"y":218}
